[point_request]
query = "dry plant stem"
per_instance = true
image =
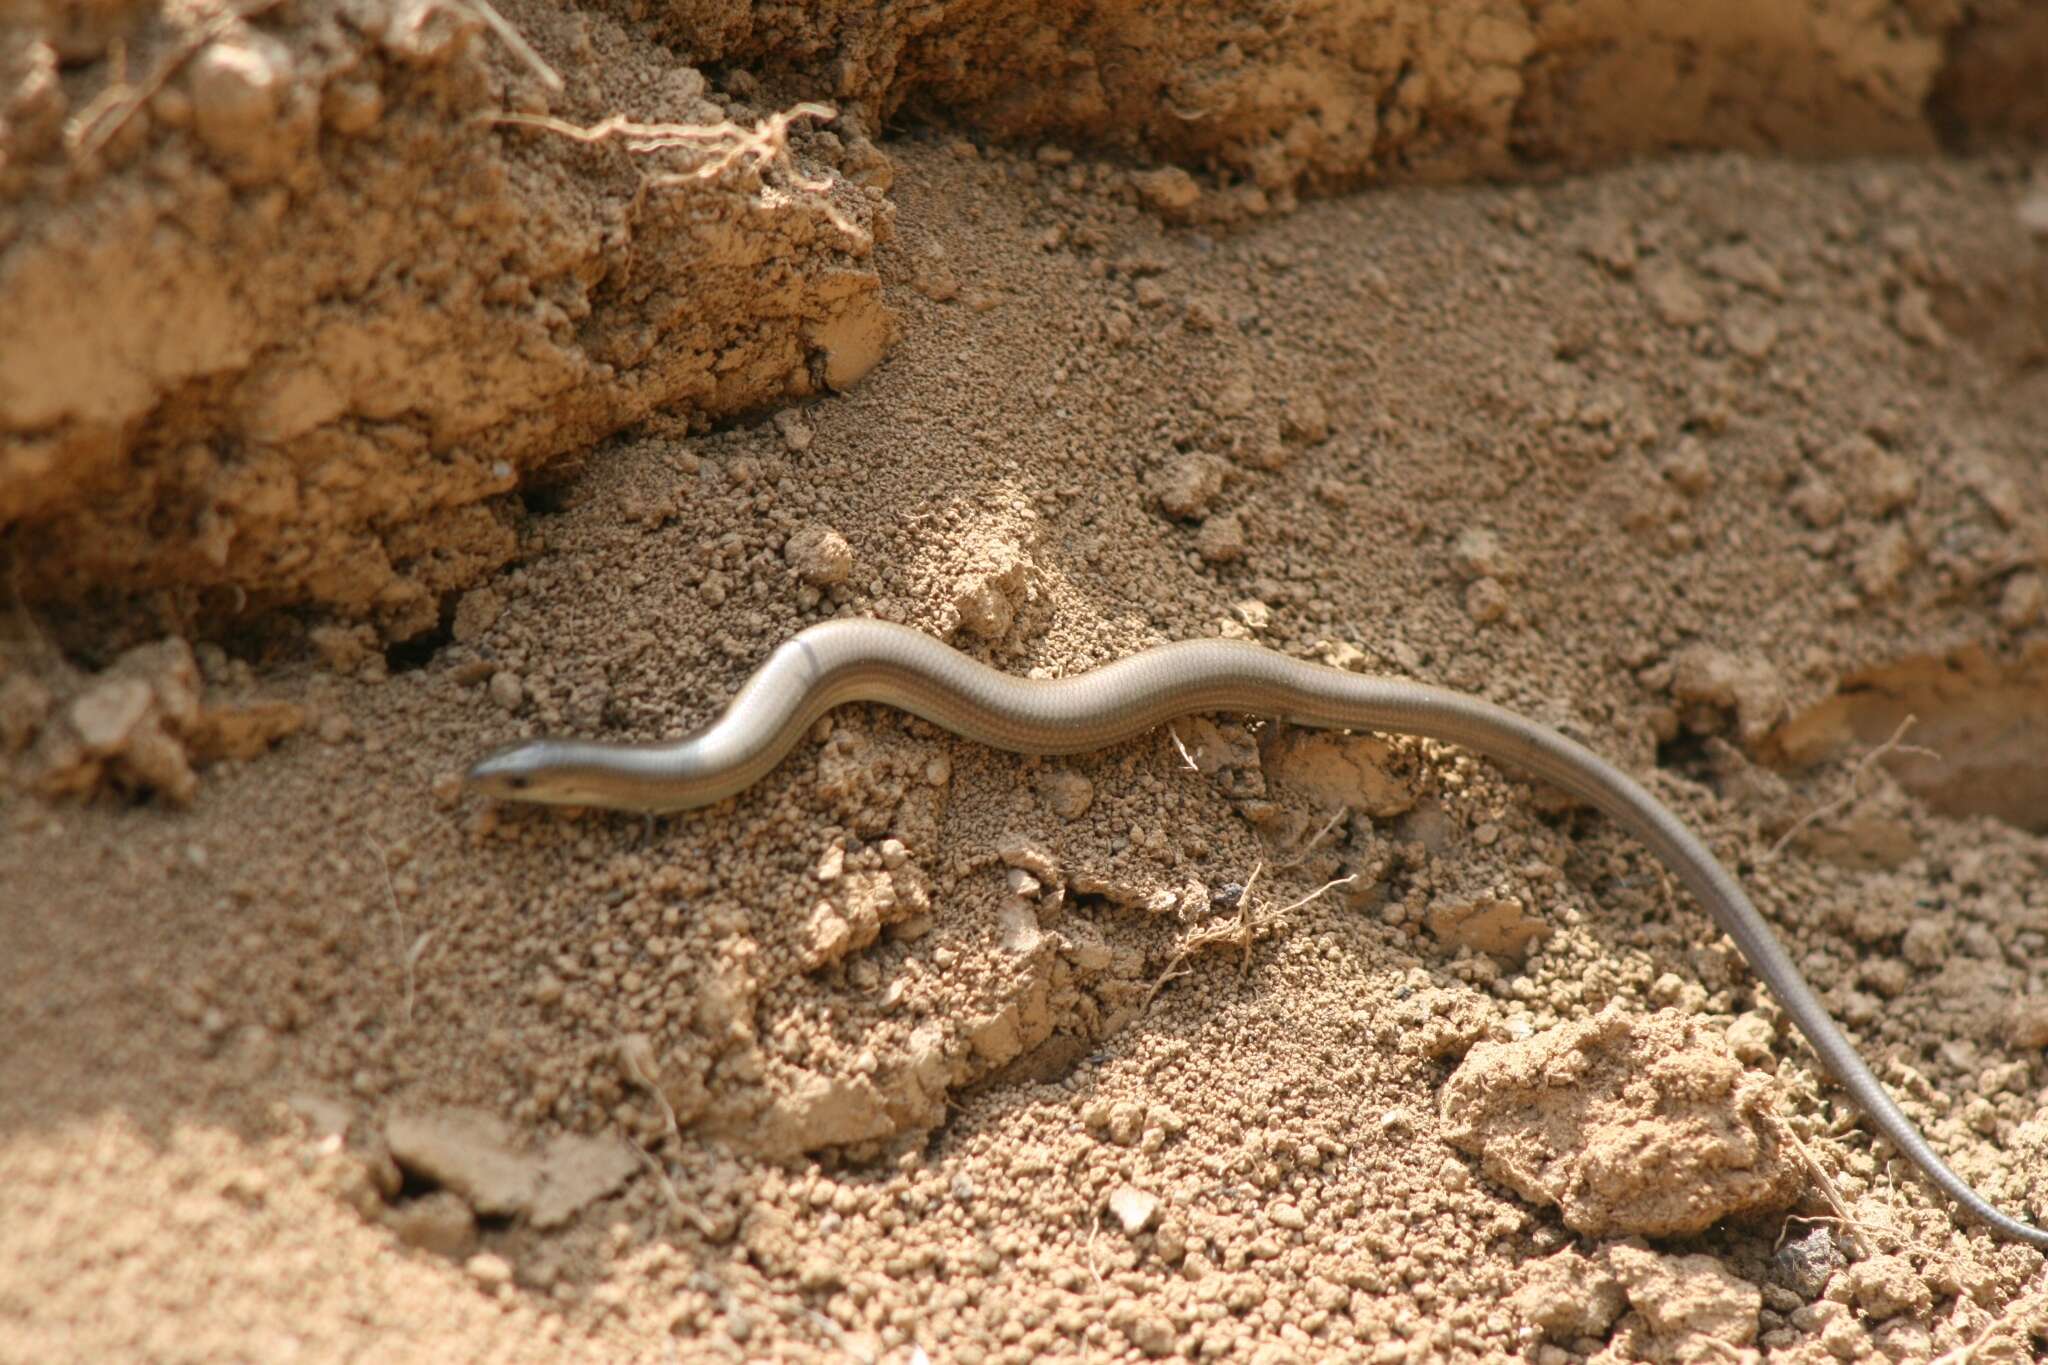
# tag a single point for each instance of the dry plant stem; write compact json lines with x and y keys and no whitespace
{"x":678,"y":1210}
{"x":1863,"y":766}
{"x":109,"y":111}
{"x":755,"y":150}
{"x":1855,"y":1229}
{"x":408,"y":957}
{"x":765,"y":144}
{"x":1242,"y":930}
{"x":1335,"y":819}
{"x":516,"y":41}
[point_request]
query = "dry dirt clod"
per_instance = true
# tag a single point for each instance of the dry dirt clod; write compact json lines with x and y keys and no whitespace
{"x":1567,"y":1118}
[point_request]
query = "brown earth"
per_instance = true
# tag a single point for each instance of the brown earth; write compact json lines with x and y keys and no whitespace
{"x":1726,"y":464}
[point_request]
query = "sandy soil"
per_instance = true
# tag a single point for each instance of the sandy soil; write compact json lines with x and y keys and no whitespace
{"x":1724,"y":465}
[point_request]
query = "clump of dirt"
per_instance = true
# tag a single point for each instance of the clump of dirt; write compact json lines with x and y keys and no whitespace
{"x":309,"y":307}
{"x":141,"y":728}
{"x":1630,"y":1127}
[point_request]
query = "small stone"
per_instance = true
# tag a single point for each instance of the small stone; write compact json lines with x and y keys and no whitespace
{"x":475,"y":614}
{"x":1234,"y":396}
{"x":1817,"y":503}
{"x":2027,"y":1022}
{"x":1363,"y":773}
{"x":1478,"y":553}
{"x":1493,"y":923}
{"x":1672,"y":295}
{"x":1170,"y":1242}
{"x":2024,"y":602}
{"x":795,"y":429}
{"x":109,"y":713}
{"x":831,"y":863}
{"x":1133,"y":1208}
{"x":1221,"y":539}
{"x":1126,"y":1122}
{"x":1877,"y":481}
{"x":488,"y":1269}
{"x":1807,"y":1262}
{"x":1683,"y":1297}
{"x":1750,"y":332}
{"x":1742,"y":263}
{"x":1887,"y":976}
{"x":243,"y":729}
{"x":1169,"y":191}
{"x":1704,"y":675}
{"x":506,"y":691}
{"x":1885,"y":560}
{"x":1486,"y":601}
{"x":438,"y":1222}
{"x":1913,"y":315}
{"x":1752,"y":1038}
{"x":986,"y":600}
{"x":1608,"y":240}
{"x":819,"y":555}
{"x":1066,"y":793}
{"x":159,"y":763}
{"x":1688,"y":467}
{"x":828,"y":937}
{"x":1629,"y":1125}
{"x":352,"y":106}
{"x":1148,"y":1329}
{"x":1305,"y":420}
{"x":1189,"y":484}
{"x":577,"y":1171}
{"x":1925,"y":942}
{"x":238,"y":89}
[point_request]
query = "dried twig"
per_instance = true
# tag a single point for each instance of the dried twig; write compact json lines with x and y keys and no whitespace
{"x":108,"y":112}
{"x":1242,"y":930}
{"x":408,"y":955}
{"x":516,"y":41}
{"x":1848,"y":1221}
{"x":1856,"y":776}
{"x":678,"y":1210}
{"x":725,"y":145}
{"x":764,"y":146}
{"x":1335,"y":819}
{"x":1187,"y":759}
{"x":637,"y":1068}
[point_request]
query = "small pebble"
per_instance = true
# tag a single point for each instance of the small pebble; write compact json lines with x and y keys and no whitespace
{"x":506,"y":690}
